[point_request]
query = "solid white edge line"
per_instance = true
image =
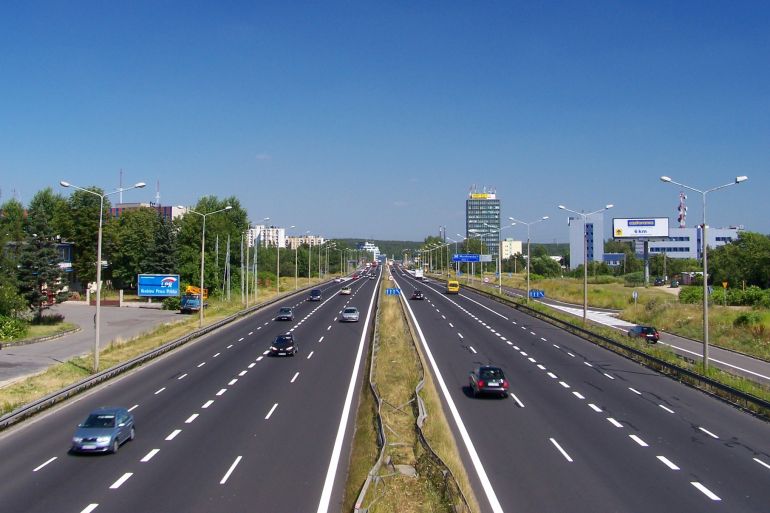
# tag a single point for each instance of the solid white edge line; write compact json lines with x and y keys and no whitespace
{"x":761,"y":463}
{"x":562,"y":451}
{"x":521,"y":405}
{"x":122,"y":479}
{"x":149,"y":455}
{"x":667,"y":462}
{"x":331,"y":473}
{"x":230,"y":470}
{"x":485,"y":483}
{"x":708,"y":493}
{"x":44,"y":464}
{"x":717,"y":361}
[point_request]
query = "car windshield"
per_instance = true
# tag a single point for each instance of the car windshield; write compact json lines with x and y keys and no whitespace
{"x":350,"y":310}
{"x":285,"y":310}
{"x":315,"y":293}
{"x":283,"y":340}
{"x":99,"y":421}
{"x":491,"y":374}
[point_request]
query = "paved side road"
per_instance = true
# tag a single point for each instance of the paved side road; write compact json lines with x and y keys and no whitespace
{"x":117,"y":323}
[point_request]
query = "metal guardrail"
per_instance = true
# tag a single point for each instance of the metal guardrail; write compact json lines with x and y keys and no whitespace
{"x":743,"y":400}
{"x":34,"y":407}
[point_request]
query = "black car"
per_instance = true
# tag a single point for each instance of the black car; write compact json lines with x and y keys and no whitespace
{"x":315,"y":295}
{"x":417,"y":294}
{"x":659,"y":282}
{"x":286,"y":313}
{"x":647,"y":332}
{"x":488,"y":380}
{"x":284,"y":345}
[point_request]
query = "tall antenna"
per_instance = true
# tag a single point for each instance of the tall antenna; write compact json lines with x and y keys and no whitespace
{"x":157,"y":193}
{"x":120,"y":185}
{"x":682,"y":208}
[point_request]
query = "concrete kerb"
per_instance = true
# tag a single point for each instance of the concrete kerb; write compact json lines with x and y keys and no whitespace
{"x":39,"y":405}
{"x":39,"y":339}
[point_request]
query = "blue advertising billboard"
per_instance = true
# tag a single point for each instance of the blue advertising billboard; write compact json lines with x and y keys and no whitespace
{"x":158,"y":285}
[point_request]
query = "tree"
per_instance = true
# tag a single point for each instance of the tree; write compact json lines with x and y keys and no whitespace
{"x":84,"y":211}
{"x":545,"y":266}
{"x":163,"y":258}
{"x":744,"y":260}
{"x":12,"y":227}
{"x":130,"y":242}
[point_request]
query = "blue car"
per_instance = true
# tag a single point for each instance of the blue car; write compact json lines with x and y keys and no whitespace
{"x":104,"y":430}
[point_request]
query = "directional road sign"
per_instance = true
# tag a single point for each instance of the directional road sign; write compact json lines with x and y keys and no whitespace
{"x":466,"y":257}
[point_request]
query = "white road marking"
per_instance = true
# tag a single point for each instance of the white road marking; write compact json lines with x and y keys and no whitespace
{"x":562,"y":383}
{"x":460,"y":335}
{"x":532,"y":360}
{"x":240,"y":339}
{"x":588,"y":364}
{"x":251,"y":365}
{"x":594,"y":407}
{"x":321,"y":339}
{"x":533,"y":333}
{"x":271,"y":411}
{"x":150,"y":455}
{"x":133,"y":407}
{"x":309,"y":355}
{"x":242,"y":373}
{"x":709,"y":433}
{"x":544,"y":340}
{"x":207,"y":404}
{"x":251,"y":333}
{"x":182,"y":376}
{"x":708,"y":493}
{"x":173,"y":434}
{"x":266,"y":352}
{"x":232,"y":382}
{"x":572,"y":355}
{"x":562,"y":451}
{"x":521,"y":405}
{"x":761,"y":463}
{"x":541,"y":366}
{"x":717,"y":361}
{"x":89,"y":508}
{"x":614,"y":422}
{"x":552,"y":375}
{"x":330,"y":327}
{"x":523,"y":353}
{"x":667,"y":462}
{"x":503,"y":338}
{"x":230,"y":470}
{"x":509,"y":342}
{"x":121,"y":480}
{"x":216,"y":355}
{"x":443,"y":316}
{"x":221,"y":391}
{"x":294,"y":378}
{"x":259,"y":358}
{"x":516,"y":347}
{"x":44,"y":464}
{"x":635,"y":391}
{"x":191,"y":418}
{"x":201,"y":364}
{"x":473,"y":350}
{"x":608,"y":376}
{"x":160,"y":390}
{"x":638,"y":440}
{"x":578,"y":395}
{"x":666,"y":408}
{"x":451,"y":325}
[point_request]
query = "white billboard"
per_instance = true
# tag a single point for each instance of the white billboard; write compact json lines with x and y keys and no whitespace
{"x":640,"y":228}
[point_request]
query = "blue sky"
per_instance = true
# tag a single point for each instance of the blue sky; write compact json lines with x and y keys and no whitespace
{"x":373,"y":119}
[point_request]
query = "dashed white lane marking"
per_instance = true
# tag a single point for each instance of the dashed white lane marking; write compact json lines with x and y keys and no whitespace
{"x":216,"y":355}
{"x":266,"y":352}
{"x":330,"y":327}
{"x":523,"y":353}
{"x":516,"y":348}
{"x":201,"y":364}
{"x":709,"y":433}
{"x":608,"y":375}
{"x":635,"y":391}
{"x":191,"y":418}
{"x":761,"y":463}
{"x":173,"y":434}
{"x":638,"y":440}
{"x":572,"y":355}
{"x":578,"y":395}
{"x":614,"y":422}
{"x":242,"y":373}
{"x":521,"y":405}
{"x":267,"y":323}
{"x":121,"y":480}
{"x":251,"y":365}
{"x":159,"y":390}
{"x":451,"y":325}
{"x":594,"y":408}
{"x":503,"y":338}
{"x":232,"y":382}
{"x":532,"y":360}
{"x":89,"y":508}
{"x":552,"y":375}
{"x":562,"y":383}
{"x":708,"y":493}
{"x":309,"y":355}
{"x":259,"y":358}
{"x":588,"y":364}
{"x":533,"y":333}
{"x":259,"y":327}
{"x":133,"y":407}
{"x":294,"y":378}
{"x":667,"y":462}
{"x":182,"y":376}
{"x":251,"y":333}
{"x":666,"y":408}
{"x":543,"y":339}
{"x":509,"y":342}
{"x":473,"y":350}
{"x":207,"y":404}
{"x":562,"y":451}
{"x":443,"y":316}
{"x":44,"y":464}
{"x":240,"y":339}
{"x":460,"y":335}
{"x":230,"y":470}
{"x":271,"y":411}
{"x":150,"y":455}
{"x":321,"y":339}
{"x":221,"y":391}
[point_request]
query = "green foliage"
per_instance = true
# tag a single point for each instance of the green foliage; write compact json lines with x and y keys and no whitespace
{"x":743,"y":261}
{"x":172,"y":303}
{"x":84,"y":209}
{"x":130,"y":241}
{"x":11,"y":328}
{"x":544,"y":266}
{"x":11,"y":303}
{"x":691,"y":295}
{"x":48,"y":320}
{"x":634,"y":279}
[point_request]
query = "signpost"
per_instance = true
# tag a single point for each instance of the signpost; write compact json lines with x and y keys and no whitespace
{"x":158,"y":285}
{"x":536,"y":293}
{"x":466,"y":257}
{"x":392,"y":292}
{"x":635,"y":295}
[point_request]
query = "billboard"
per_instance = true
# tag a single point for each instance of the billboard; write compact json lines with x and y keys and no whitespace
{"x":158,"y":285}
{"x":482,"y":195}
{"x":640,"y":228}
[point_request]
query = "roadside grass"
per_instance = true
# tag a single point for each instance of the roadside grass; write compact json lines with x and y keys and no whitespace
{"x":56,"y":377}
{"x":35,"y":331}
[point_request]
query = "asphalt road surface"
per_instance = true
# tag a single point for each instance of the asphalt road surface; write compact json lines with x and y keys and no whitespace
{"x":221,"y":426}
{"x":583,"y":429}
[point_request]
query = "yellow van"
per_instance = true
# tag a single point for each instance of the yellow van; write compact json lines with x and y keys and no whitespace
{"x":453,"y":287}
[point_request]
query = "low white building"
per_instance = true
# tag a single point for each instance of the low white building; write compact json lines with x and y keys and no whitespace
{"x":294,"y":241}
{"x":686,"y":242}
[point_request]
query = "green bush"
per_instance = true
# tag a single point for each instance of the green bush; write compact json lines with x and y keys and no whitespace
{"x":747,"y":320}
{"x":633,"y":279}
{"x":11,"y":328}
{"x":48,"y":320}
{"x":691,"y":295}
{"x":172,"y":303}
{"x":603,"y":279}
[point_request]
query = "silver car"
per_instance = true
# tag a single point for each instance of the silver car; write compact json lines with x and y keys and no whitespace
{"x":349,"y":314}
{"x":104,"y":430}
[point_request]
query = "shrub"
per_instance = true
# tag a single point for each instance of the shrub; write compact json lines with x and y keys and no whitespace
{"x":75,"y":296}
{"x":48,"y":320}
{"x":691,"y":295}
{"x":747,"y":320}
{"x":633,"y":279}
{"x":172,"y":303}
{"x":11,"y":328}
{"x":603,"y":279}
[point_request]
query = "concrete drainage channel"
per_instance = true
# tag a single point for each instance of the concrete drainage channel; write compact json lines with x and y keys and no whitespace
{"x":34,"y":407}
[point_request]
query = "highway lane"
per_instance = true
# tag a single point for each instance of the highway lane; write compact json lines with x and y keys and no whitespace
{"x":198,"y":410}
{"x":624,"y":428}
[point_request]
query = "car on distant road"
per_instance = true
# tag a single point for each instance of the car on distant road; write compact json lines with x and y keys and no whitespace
{"x":659,"y":282}
{"x":285,"y":313}
{"x":349,"y":314}
{"x":488,"y":380}
{"x":417,"y":294}
{"x":315,"y":295}
{"x":372,"y":277}
{"x":346,"y":291}
{"x":355,"y":276}
{"x":284,"y":345}
{"x":647,"y":332}
{"x":674,"y":284}
{"x":104,"y":430}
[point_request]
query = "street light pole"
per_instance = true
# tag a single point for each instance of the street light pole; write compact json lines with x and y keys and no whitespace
{"x":585,"y":253}
{"x":98,"y":317}
{"x":738,"y":179}
{"x":528,"y":238}
{"x":256,"y":262}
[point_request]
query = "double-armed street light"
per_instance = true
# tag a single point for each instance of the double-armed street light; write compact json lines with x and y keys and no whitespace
{"x":738,"y":179}
{"x":97,"y":319}
{"x":528,"y":253}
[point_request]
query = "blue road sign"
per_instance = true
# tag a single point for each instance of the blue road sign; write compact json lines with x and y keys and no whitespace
{"x":392,"y":292}
{"x":459,"y":273}
{"x":536,"y":293}
{"x":158,"y":285}
{"x":466,"y":257}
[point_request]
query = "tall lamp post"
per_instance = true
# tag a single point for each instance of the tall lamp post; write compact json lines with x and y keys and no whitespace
{"x":738,"y":179}
{"x":309,"y":255}
{"x":585,"y":217}
{"x":97,"y":320}
{"x":203,"y":255}
{"x":528,"y":253}
{"x":447,"y":256}
{"x":256,"y":262}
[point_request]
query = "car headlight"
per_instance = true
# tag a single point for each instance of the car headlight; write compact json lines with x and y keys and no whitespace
{"x":77,"y":439}
{"x":290,"y":348}
{"x":103,"y":439}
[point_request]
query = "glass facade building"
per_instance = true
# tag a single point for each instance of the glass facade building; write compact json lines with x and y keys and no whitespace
{"x":482,"y":220}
